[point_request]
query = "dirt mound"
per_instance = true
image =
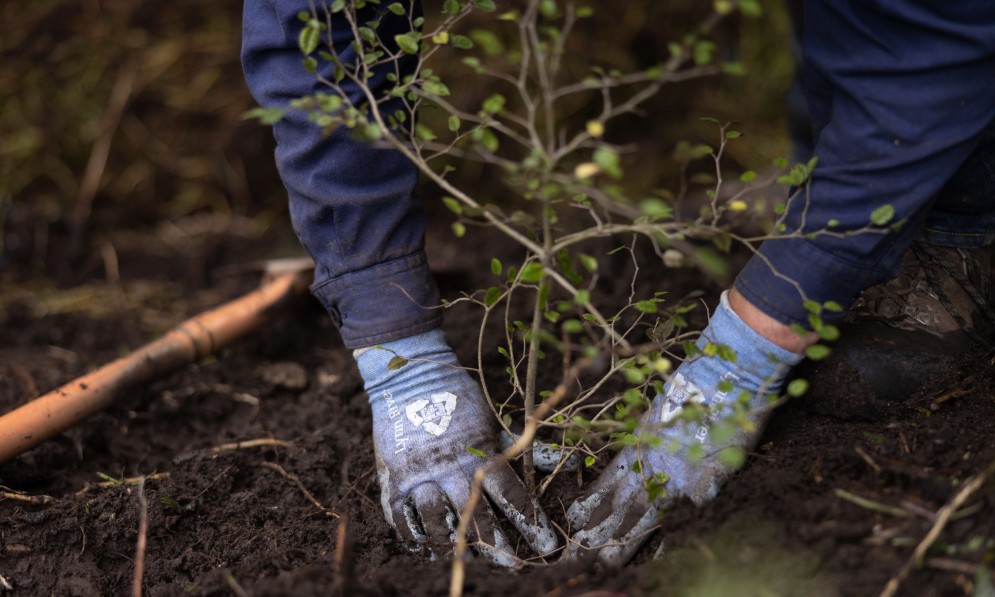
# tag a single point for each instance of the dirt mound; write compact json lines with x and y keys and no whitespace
{"x":833,"y":501}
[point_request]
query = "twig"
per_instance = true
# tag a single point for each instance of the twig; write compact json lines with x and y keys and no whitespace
{"x":233,"y":584}
{"x":524,"y":440}
{"x":27,"y":499}
{"x":5,"y":584}
{"x":143,"y":528}
{"x":297,"y":481}
{"x":122,"y":482}
{"x":957,"y":393}
{"x":867,"y":458}
{"x":342,"y":561}
{"x":100,"y":151}
{"x":251,"y":443}
{"x":918,"y":510}
{"x":952,"y":565}
{"x":942,"y":518}
{"x":871,"y":504}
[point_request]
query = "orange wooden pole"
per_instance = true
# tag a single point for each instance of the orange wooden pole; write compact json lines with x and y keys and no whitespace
{"x":195,"y":338}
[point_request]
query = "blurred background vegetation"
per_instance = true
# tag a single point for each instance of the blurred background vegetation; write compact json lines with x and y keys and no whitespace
{"x":121,"y":128}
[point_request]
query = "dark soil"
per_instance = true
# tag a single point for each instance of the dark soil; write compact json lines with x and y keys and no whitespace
{"x":248,"y":521}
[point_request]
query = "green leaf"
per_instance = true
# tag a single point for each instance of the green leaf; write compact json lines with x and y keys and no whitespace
{"x":733,"y":134}
{"x":485,"y":5}
{"x":264,"y":115}
{"x":587,"y":262}
{"x":817,"y":352}
{"x":450,"y":7}
{"x":733,"y":457}
{"x":309,"y":37}
{"x":647,"y":306}
{"x":166,"y":500}
{"x":436,"y":88}
{"x":573,"y":326}
{"x":459,"y":229}
{"x":882,"y":215}
{"x":829,"y":333}
{"x":110,"y":479}
{"x":408,"y":42}
{"x":461,"y":41}
{"x":367,"y":34}
{"x":750,"y":8}
{"x":532,"y":272}
{"x":589,"y":461}
{"x":736,"y":69}
{"x":397,"y":8}
{"x":492,"y":296}
{"x":488,"y":41}
{"x":748,"y":176}
{"x":833,"y":306}
{"x":797,"y":387}
{"x":424,"y":133}
{"x":702,"y":52}
{"x":396,"y":362}
{"x":812,"y":307}
{"x":609,"y":161}
{"x":454,"y":206}
{"x":476,"y":452}
{"x":496,"y":267}
{"x":454,"y":123}
{"x":487,"y":139}
{"x":494,"y":104}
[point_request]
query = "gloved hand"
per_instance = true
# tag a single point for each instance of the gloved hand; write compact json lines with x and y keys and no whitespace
{"x":677,"y":454}
{"x":427,"y":414}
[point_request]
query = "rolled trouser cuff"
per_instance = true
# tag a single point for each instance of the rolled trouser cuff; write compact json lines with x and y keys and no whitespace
{"x":385,"y":302}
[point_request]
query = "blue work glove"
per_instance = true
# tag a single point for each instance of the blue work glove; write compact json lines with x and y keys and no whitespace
{"x":427,"y":416}
{"x":678,"y":454}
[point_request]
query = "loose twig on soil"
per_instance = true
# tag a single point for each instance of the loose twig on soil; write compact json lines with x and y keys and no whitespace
{"x":128,"y":481}
{"x":143,"y":528}
{"x":871,"y":504}
{"x":942,"y":518}
{"x":251,"y":443}
{"x":342,"y":562}
{"x":17,"y":496}
{"x":297,"y":481}
{"x":524,"y":441}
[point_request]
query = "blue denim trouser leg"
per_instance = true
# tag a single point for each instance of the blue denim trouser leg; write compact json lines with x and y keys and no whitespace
{"x":900,"y":95}
{"x":351,"y":204}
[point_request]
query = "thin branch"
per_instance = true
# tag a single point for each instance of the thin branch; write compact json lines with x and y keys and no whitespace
{"x":300,"y":485}
{"x":266,"y":442}
{"x":524,"y":441}
{"x":942,"y":518}
{"x":143,"y":529}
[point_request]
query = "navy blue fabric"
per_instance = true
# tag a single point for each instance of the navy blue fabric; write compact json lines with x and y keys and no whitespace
{"x":351,"y":204}
{"x":901,"y":95}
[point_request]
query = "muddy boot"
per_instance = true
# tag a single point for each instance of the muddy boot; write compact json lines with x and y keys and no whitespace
{"x":903,"y":333}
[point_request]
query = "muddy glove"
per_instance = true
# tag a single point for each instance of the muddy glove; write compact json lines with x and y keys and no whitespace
{"x":683,"y":455}
{"x":428,"y":414}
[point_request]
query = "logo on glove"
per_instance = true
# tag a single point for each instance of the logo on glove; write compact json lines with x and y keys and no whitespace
{"x":680,"y":392}
{"x":432,"y":414}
